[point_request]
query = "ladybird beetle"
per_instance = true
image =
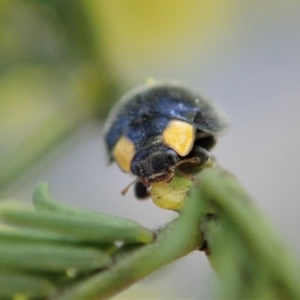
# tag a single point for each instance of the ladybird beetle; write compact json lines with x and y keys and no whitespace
{"x":158,"y":128}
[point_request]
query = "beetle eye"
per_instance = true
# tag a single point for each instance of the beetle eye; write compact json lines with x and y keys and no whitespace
{"x":171,"y":157}
{"x":135,"y":168}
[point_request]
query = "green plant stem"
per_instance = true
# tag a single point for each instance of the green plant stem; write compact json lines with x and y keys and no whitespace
{"x":75,"y":226}
{"x":27,"y":256}
{"x":28,"y":286}
{"x":258,"y":240}
{"x":36,"y":236}
{"x":43,"y":201}
{"x":179,"y":238}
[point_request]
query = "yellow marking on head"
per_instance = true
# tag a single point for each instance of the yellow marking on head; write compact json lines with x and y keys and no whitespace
{"x":124,"y":152}
{"x":179,"y":136}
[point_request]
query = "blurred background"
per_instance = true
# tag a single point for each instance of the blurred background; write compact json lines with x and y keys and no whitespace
{"x":64,"y":63}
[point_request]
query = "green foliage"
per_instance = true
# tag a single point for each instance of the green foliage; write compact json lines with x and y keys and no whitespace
{"x":55,"y":245}
{"x":245,"y":251}
{"x":53,"y":78}
{"x":61,"y":252}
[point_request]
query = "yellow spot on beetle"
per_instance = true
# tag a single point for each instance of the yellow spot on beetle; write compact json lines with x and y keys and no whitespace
{"x":124,"y":152}
{"x":179,"y":136}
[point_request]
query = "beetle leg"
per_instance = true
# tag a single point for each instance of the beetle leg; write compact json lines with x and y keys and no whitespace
{"x":170,"y":176}
{"x":205,"y":142}
{"x":141,"y":191}
{"x":197,"y":157}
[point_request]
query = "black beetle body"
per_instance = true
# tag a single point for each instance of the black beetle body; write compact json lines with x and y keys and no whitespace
{"x":157,"y":128}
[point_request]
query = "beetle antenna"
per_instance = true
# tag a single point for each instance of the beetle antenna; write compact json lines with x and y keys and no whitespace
{"x":125,"y":190}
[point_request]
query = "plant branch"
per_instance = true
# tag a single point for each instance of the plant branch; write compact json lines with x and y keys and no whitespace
{"x":177,"y":239}
{"x":245,"y":250}
{"x":219,"y":217}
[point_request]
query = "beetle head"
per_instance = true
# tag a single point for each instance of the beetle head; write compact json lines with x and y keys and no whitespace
{"x":154,"y":164}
